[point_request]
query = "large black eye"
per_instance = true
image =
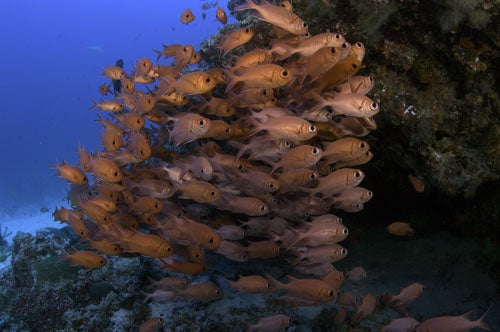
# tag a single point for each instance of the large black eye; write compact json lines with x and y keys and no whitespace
{"x":247,"y":30}
{"x":218,"y":292}
{"x":304,"y":24}
{"x":312,"y":176}
{"x":331,"y":293}
{"x":337,"y":36}
{"x":268,"y":285}
{"x":271,"y":185}
{"x":312,"y":128}
{"x":169,"y":249}
{"x":332,"y":50}
{"x":374,"y":106}
{"x":357,"y":174}
{"x":213,"y":193}
{"x":354,"y":66}
{"x":362,"y":145}
{"x":314,"y":151}
{"x":115,"y":174}
{"x":344,"y":45}
{"x":285,"y":73}
{"x":287,"y":144}
{"x":208,"y":80}
{"x":358,"y":44}
{"x":201,"y":122}
{"x":344,"y":251}
{"x":101,"y":262}
{"x":262,"y":207}
{"x":345,"y":231}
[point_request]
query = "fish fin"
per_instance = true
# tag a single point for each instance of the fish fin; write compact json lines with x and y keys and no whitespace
{"x":248,"y":4}
{"x":481,"y":323}
{"x":273,"y":281}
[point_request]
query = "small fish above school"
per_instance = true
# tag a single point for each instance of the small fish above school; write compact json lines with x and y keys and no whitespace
{"x":187,"y":16}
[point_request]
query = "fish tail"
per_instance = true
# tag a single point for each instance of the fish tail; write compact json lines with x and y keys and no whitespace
{"x":233,"y":80}
{"x":274,"y":282}
{"x":248,"y":4}
{"x":94,"y":104}
{"x":297,"y":259}
{"x":482,"y":324}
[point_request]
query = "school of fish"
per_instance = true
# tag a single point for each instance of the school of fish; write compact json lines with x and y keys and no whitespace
{"x":247,"y":161}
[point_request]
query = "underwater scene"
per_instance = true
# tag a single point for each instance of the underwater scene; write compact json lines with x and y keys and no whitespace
{"x":250,"y":165}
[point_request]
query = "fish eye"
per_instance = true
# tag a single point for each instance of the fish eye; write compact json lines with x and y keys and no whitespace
{"x":312,"y":176}
{"x":228,"y":130}
{"x":314,"y":151}
{"x":213,"y":193}
{"x":344,"y":251}
{"x":345,"y":231}
{"x":312,"y":128}
{"x":160,"y":320}
{"x":287,"y":144}
{"x":337,"y":36}
{"x":262,"y":207}
{"x":290,"y":320}
{"x":207,"y":80}
{"x":268,"y":285}
{"x":354,"y":66}
{"x":169,"y":249}
{"x":264,"y":92}
{"x":211,"y":240}
{"x":284,"y":73}
{"x":339,"y":220}
{"x":332,"y":50}
{"x":115,"y":174}
{"x":247,"y":30}
{"x":218,"y":292}
{"x":240,"y":166}
{"x":374,"y":106}
{"x":387,"y":229}
{"x":357,"y":206}
{"x":367,"y":153}
{"x":331,"y":293}
{"x":82,"y":233}
{"x":358,"y":44}
{"x":201,"y":123}
{"x":344,"y":45}
{"x":362,"y":145}
{"x":156,"y":205}
{"x":304,"y":24}
{"x":357,"y":174}
{"x":203,"y":268}
{"x":101,"y":262}
{"x":369,"y":193}
{"x":370,"y":79}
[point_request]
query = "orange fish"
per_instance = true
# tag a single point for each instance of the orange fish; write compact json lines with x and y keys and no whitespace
{"x":276,"y":15}
{"x":406,"y":295}
{"x":187,"y":16}
{"x":308,"y":291}
{"x":199,"y":292}
{"x":152,"y":324}
{"x":88,"y":259}
{"x":271,"y":323}
{"x":235,"y":39}
{"x":356,"y":274}
{"x":72,"y":174}
{"x":399,"y":229}
{"x":417,"y":184}
{"x":251,"y":284}
{"x":261,"y":76}
{"x":366,"y":308}
{"x":220,"y":14}
{"x":461,"y":323}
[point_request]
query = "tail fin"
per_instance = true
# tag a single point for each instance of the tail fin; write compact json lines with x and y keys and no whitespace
{"x":481,"y":323}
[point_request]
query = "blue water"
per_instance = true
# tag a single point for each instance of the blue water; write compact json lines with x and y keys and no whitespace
{"x":52,"y":54}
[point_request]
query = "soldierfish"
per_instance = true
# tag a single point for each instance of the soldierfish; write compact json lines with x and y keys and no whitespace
{"x":276,"y":15}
